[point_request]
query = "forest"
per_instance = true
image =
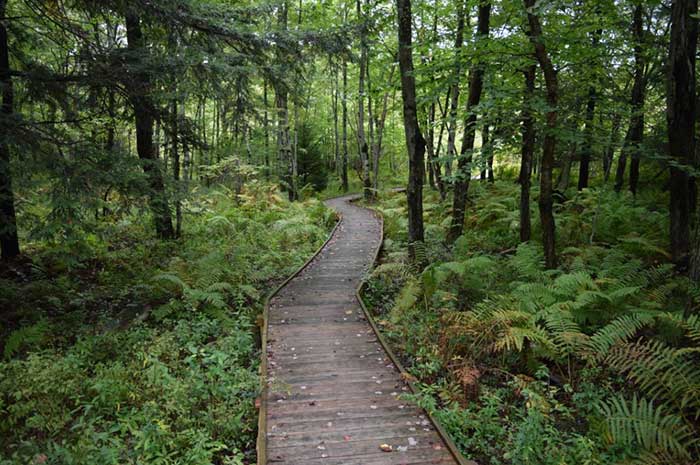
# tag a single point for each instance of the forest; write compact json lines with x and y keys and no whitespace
{"x":166,"y":164}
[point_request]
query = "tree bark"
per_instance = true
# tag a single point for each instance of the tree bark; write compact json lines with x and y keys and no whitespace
{"x":454,"y":93}
{"x":680,"y":116}
{"x":9,"y":240}
{"x":546,"y":201}
{"x":415,"y":143}
{"x":361,"y":138}
{"x":344,"y":161}
{"x":584,"y":165}
{"x":144,"y":111}
{"x":527,"y":151}
{"x":638,"y":91}
{"x":463,"y":177}
{"x":284,"y":144}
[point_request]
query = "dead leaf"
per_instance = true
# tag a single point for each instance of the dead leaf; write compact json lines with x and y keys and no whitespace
{"x":386,"y":448}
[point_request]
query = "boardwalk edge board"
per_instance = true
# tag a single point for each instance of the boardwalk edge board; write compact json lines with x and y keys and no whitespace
{"x":261,"y":445}
{"x":451,"y":446}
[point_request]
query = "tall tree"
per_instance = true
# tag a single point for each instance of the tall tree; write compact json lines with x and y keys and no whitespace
{"x":638,"y":92}
{"x":415,"y":143}
{"x":361,"y":137}
{"x":284,"y":142}
{"x":476,"y":83}
{"x":546,"y":200}
{"x":454,"y":91}
{"x":527,"y":152}
{"x":9,"y":241}
{"x":140,"y":91}
{"x":680,"y":116}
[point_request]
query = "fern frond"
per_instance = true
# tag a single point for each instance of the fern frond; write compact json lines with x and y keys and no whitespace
{"x":641,"y":423}
{"x":619,"y":330}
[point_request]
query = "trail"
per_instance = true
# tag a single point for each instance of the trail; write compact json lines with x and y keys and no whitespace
{"x":333,"y":392}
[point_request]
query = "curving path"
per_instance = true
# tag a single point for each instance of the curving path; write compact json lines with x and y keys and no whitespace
{"x":332,"y":391}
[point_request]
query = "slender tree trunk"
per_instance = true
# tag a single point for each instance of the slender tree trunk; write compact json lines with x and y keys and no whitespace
{"x":140,"y":90}
{"x":9,"y":240}
{"x":527,"y":151}
{"x":266,"y":129}
{"x":454,"y":93}
{"x":175,"y":155}
{"x":463,"y":177}
{"x":380,"y":124}
{"x":284,"y":143}
{"x":546,"y":200}
{"x":612,"y":142}
{"x":336,"y":129}
{"x":565,"y":173}
{"x":485,"y":142}
{"x":584,"y":165}
{"x":361,"y":138}
{"x":681,"y":121}
{"x":415,"y":143}
{"x":344,"y":161}
{"x":638,"y":91}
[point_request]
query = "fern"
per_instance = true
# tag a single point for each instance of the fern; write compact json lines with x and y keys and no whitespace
{"x":641,"y":423}
{"x":666,"y":374}
{"x":619,"y":330}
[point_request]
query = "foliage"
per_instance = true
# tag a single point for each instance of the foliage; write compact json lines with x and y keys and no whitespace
{"x":594,"y":362}
{"x":139,"y":351}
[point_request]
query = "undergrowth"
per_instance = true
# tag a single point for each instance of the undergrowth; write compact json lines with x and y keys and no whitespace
{"x":123,"y":349}
{"x":595,"y":362}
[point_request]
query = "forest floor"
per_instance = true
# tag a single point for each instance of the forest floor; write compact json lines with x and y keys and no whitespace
{"x":120,"y":348}
{"x":524,"y":365}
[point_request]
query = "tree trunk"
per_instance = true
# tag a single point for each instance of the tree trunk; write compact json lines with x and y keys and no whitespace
{"x":284,"y":143}
{"x":144,"y":111}
{"x":681,"y":121}
{"x":266,"y":129}
{"x":527,"y":151}
{"x":9,"y":241}
{"x":461,"y":184}
{"x":336,"y":128}
{"x":638,"y":91}
{"x":175,"y":155}
{"x":379,"y":125}
{"x":414,"y":139}
{"x":584,"y":165}
{"x":565,"y":173}
{"x":361,"y":138}
{"x":612,"y":142}
{"x":454,"y":93}
{"x":546,"y":201}
{"x":344,"y":161}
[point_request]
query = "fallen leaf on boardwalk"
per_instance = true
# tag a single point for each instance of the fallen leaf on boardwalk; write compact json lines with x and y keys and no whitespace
{"x":348,"y":312}
{"x":437,"y":446}
{"x":257,"y":402}
{"x":412,"y":442}
{"x":347,"y":438}
{"x":386,"y":448}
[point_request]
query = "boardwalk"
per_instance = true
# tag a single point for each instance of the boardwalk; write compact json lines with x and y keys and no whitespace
{"x":333,"y":393}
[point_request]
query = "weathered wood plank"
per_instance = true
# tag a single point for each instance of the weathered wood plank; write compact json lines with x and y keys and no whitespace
{"x":334,"y":396}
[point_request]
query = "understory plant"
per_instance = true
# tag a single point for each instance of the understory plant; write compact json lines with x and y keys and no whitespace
{"x":136,"y":350}
{"x":593,"y":362}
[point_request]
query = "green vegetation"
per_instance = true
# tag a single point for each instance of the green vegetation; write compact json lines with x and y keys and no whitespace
{"x":593,"y":362}
{"x":127,"y":349}
{"x":161,"y":163}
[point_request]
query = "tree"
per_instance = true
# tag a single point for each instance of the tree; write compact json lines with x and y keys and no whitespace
{"x":461,"y":184}
{"x":680,"y":117}
{"x":415,"y":143}
{"x":527,"y":152}
{"x":144,"y":111}
{"x":9,"y":241}
{"x":546,"y":200}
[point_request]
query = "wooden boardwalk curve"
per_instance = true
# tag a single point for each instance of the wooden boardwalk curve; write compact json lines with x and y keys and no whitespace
{"x":332,"y":391}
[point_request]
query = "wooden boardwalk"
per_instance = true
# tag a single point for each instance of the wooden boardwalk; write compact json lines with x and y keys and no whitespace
{"x":332,"y":393}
